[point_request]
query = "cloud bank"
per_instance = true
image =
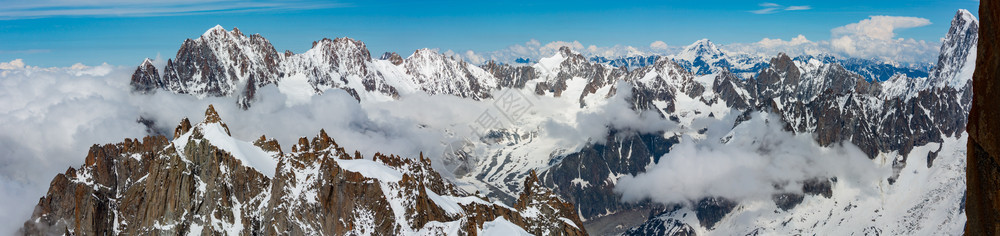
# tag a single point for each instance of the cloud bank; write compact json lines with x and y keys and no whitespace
{"x":51,"y":116}
{"x":872,"y":38}
{"x":757,"y":156}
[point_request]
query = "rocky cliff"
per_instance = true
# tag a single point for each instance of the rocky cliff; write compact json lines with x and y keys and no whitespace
{"x":204,"y":182}
{"x":983,"y":172}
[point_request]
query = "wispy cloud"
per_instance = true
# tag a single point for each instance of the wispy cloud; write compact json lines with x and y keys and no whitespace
{"x":27,"y":51}
{"x":770,"y":7}
{"x":12,"y":10}
{"x":797,"y":8}
{"x":765,"y":11}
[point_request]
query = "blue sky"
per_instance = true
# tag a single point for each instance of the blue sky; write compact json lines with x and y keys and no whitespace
{"x":61,"y":33}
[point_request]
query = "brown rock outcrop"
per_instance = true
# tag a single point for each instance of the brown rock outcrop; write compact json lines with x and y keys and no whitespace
{"x":983,"y":171}
{"x":189,"y":186}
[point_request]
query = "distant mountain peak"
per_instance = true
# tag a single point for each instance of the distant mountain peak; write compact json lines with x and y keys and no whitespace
{"x":700,"y":48}
{"x":566,"y":51}
{"x":703,"y":57}
{"x":215,"y":29}
{"x":958,"y":52}
{"x":965,"y":14}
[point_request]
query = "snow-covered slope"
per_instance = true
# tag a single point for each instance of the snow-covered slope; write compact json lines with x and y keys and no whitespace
{"x":206,"y":182}
{"x":434,"y":73}
{"x":595,"y":123}
{"x":958,"y":52}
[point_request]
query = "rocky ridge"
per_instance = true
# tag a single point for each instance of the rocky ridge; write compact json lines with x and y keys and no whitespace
{"x":204,"y":182}
{"x":814,"y":96}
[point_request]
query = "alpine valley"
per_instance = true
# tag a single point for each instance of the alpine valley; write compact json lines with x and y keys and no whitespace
{"x":705,"y":141}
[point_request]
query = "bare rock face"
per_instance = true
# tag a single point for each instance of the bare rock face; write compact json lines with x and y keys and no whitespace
{"x":392,"y":57}
{"x":146,"y":78}
{"x":662,"y":226}
{"x":191,"y":186}
{"x":435,"y":73}
{"x":332,"y":63}
{"x":222,"y":63}
{"x":593,"y":195}
{"x":510,"y":76}
{"x":983,"y":170}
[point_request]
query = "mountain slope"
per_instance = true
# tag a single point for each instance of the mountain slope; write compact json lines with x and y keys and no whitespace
{"x":902,"y":123}
{"x":206,"y":182}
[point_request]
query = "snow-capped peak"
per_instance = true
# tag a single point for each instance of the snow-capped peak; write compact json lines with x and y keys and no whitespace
{"x":634,"y":52}
{"x":958,"y":52}
{"x":703,"y":57}
{"x":549,"y":66}
{"x":422,"y":53}
{"x":965,"y":14}
{"x":217,"y":28}
{"x":701,"y":48}
{"x":566,"y":51}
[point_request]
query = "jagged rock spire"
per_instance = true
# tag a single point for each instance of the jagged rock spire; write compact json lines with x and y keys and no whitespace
{"x":146,"y":78}
{"x":211,"y":116}
{"x":182,"y":128}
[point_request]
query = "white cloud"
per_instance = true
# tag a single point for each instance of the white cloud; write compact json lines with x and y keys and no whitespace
{"x":769,"y":4}
{"x":767,"y":47}
{"x":15,"y":64}
{"x":593,"y":125}
{"x":51,"y":116}
{"x":474,"y":58}
{"x":868,"y":38}
{"x":879,"y":27}
{"x":875,"y":38}
{"x":765,"y":11}
{"x":797,"y":8}
{"x":26,"y":51}
{"x":844,"y":43}
{"x":658,"y":45}
{"x":757,"y":156}
{"x":798,"y":40}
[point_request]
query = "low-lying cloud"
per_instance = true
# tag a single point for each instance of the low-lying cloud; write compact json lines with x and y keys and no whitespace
{"x":51,"y":116}
{"x":746,"y":164}
{"x":617,"y":114}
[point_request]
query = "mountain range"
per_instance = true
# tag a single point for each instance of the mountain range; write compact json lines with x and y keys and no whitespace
{"x":909,"y":121}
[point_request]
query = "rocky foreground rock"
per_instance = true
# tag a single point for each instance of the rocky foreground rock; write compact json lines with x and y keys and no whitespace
{"x":203,"y":182}
{"x":983,"y":171}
